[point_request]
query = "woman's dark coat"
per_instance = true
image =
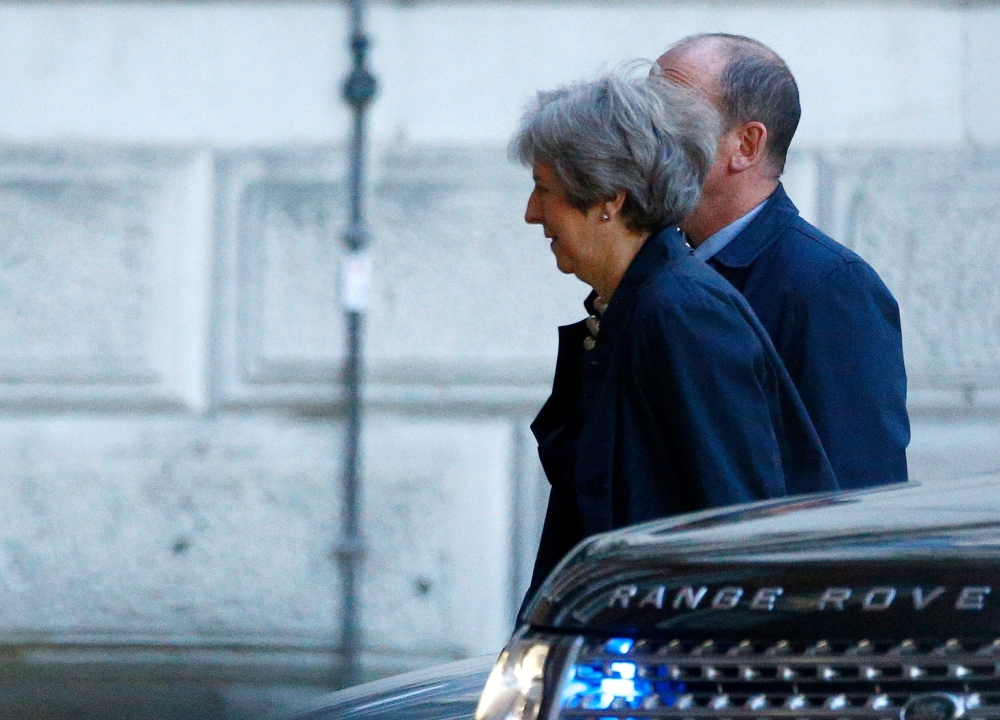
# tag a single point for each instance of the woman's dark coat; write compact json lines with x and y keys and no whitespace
{"x":682,"y":405}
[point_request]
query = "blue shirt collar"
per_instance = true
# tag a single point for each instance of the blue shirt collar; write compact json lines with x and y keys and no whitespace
{"x":707,"y":250}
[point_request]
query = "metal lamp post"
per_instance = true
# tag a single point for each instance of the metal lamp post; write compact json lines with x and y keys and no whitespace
{"x":358,"y":91}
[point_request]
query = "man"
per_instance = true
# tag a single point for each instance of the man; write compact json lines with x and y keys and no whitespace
{"x":833,"y":322}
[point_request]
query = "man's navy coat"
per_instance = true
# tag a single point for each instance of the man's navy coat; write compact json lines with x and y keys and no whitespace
{"x":682,"y":405}
{"x":835,"y":326}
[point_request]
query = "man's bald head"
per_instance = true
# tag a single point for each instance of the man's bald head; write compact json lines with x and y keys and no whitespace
{"x":746,"y":81}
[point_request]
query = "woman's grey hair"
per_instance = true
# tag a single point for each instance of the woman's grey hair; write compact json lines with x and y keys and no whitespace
{"x":643,"y":135}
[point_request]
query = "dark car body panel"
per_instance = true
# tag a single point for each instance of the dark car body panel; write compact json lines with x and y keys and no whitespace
{"x":908,"y":541}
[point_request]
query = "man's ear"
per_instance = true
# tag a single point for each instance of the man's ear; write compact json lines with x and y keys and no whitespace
{"x":752,"y":148}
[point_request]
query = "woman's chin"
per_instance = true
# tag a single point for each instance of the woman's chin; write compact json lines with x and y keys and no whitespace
{"x":564,"y":267}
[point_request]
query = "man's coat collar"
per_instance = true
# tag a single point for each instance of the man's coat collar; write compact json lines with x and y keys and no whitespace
{"x":777,"y":215}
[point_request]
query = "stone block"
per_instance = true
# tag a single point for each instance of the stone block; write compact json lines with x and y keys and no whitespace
{"x":220,"y":531}
{"x":226,"y":75}
{"x":466,"y":293}
{"x":982,"y":87}
{"x":437,"y":516}
{"x":279,"y":326}
{"x":458,"y":73}
{"x":167,"y":529}
{"x":530,"y":492}
{"x":801,"y":182}
{"x":466,"y":298}
{"x":868,"y":75}
{"x":104,"y":273}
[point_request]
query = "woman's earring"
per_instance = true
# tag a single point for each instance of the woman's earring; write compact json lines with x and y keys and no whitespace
{"x":605,"y":216}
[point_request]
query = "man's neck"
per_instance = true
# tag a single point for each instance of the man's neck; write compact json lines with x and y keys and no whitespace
{"x":717,"y":210}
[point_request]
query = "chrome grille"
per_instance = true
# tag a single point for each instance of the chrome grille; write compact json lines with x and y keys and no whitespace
{"x":619,"y":678}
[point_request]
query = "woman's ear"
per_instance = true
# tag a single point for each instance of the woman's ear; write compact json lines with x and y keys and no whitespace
{"x":613,"y":206}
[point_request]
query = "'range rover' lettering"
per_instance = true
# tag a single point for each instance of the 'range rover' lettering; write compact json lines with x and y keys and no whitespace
{"x":766,"y":599}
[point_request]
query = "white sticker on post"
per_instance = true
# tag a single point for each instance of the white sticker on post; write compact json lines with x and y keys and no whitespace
{"x":355,"y":280}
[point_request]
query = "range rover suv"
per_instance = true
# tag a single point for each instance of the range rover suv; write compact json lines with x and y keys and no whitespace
{"x":876,"y":604}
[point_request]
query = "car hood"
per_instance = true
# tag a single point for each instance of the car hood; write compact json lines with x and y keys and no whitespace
{"x":903,"y":558}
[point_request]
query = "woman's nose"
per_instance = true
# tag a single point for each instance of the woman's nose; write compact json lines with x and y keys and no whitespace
{"x":532,"y":215}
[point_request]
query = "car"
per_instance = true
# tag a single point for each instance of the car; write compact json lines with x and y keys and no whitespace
{"x":882,"y":604}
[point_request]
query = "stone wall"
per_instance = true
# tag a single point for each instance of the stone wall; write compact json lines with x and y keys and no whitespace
{"x":174,"y":343}
{"x":171,"y":204}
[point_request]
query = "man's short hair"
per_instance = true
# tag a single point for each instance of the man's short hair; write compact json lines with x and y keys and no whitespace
{"x":755,"y":84}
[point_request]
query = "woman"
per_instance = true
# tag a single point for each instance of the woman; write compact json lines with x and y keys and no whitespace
{"x":670,"y":397}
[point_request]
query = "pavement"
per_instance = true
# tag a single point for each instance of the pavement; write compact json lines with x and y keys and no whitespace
{"x":151,"y":698}
{"x":63,"y":682}
{"x":146,"y":700}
